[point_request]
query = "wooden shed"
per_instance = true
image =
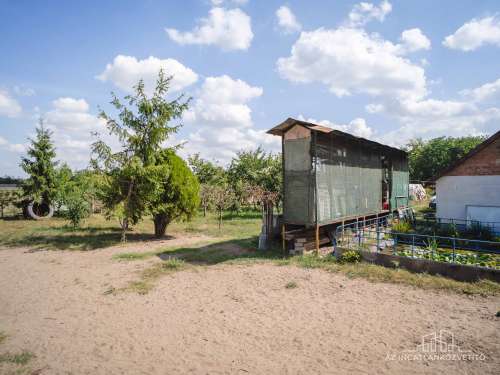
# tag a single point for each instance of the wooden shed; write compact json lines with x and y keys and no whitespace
{"x":331,"y":176}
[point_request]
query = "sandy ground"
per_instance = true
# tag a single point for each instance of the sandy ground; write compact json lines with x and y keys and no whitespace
{"x":228,"y":319}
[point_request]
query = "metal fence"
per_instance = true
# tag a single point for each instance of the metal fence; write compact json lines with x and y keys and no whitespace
{"x":461,"y":224}
{"x":376,"y":236}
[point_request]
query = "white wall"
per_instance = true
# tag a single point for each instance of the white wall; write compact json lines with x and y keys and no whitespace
{"x":454,"y":193}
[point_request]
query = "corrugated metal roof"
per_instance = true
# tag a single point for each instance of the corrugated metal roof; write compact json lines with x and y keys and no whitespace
{"x":290,"y":122}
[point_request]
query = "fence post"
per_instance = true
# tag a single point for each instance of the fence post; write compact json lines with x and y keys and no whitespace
{"x":432,"y":248}
{"x":378,"y":236}
{"x":358,"y":234}
{"x":412,"y":245}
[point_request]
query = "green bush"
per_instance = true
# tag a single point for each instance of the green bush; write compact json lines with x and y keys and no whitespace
{"x":479,"y":232}
{"x":77,"y":209}
{"x":350,"y":256}
{"x":448,"y":230}
{"x":401,"y":227}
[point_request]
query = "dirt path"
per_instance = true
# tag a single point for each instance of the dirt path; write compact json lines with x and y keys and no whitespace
{"x":227,"y":319}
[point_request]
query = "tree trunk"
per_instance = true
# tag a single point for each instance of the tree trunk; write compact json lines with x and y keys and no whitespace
{"x":161,"y":222}
{"x":220,"y":218}
{"x":125,"y":219}
{"x":124,"y":224}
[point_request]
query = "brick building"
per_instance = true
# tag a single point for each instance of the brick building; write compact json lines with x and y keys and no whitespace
{"x":470,"y":188}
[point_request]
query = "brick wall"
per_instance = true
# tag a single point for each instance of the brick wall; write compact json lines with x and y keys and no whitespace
{"x":484,"y":163}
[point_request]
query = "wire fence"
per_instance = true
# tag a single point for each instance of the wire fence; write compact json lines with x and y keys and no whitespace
{"x":376,"y":235}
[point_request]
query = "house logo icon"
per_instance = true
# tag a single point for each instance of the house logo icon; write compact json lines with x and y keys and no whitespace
{"x":442,"y":342}
{"x":437,"y":346}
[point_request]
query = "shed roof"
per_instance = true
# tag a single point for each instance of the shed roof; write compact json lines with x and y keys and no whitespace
{"x":290,"y":122}
{"x":467,"y":156}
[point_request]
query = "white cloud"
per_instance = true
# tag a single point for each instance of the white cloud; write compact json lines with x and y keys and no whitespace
{"x":474,"y":34}
{"x":228,"y":29}
{"x":484,"y":92}
{"x":24,"y":91}
{"x":217,"y":3}
{"x":287,"y":20}
{"x":357,"y":127}
{"x":71,"y":105}
{"x":220,"y":121}
{"x":12,"y":147}
{"x":351,"y":61}
{"x":72,"y":125}
{"x":126,"y":71}
{"x":428,"y":118}
{"x":8,"y":105}
{"x":364,"y":12}
{"x":414,"y":40}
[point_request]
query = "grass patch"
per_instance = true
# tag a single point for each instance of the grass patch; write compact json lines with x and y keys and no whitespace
{"x":374,"y":273}
{"x":132,"y":256}
{"x":97,"y":232}
{"x":151,"y":274}
{"x":19,"y":359}
{"x":291,"y":285}
{"x":3,"y":337}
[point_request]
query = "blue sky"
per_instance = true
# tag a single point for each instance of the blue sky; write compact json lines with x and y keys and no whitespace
{"x":385,"y":70}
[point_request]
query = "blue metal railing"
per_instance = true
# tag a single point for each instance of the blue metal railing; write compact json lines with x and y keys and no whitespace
{"x":378,"y":237}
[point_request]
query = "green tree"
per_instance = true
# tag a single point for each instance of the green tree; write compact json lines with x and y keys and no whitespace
{"x":39,"y":165}
{"x":427,"y":158}
{"x":206,"y":171}
{"x":178,"y":197}
{"x":134,"y":177}
{"x":7,"y":197}
{"x":255,"y":168}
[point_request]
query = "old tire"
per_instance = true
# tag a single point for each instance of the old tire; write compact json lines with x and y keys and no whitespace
{"x":33,"y":215}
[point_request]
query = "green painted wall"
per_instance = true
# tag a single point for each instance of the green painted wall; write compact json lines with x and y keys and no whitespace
{"x":346,"y":176}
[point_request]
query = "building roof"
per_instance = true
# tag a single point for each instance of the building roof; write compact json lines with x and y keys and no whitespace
{"x":290,"y":122}
{"x":467,"y":156}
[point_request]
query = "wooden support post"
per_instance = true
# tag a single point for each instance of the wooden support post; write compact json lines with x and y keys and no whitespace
{"x":317,"y":239}
{"x":283,"y":238}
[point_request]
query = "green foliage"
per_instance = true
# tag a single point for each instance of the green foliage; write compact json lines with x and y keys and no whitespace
{"x":291,"y":285}
{"x":40,"y":186}
{"x":350,"y":256}
{"x":7,"y":198}
{"x":401,"y":226}
{"x":428,"y":158}
{"x":478,"y":231}
{"x":255,"y":168}
{"x":178,"y":195}
{"x":448,"y":230}
{"x":134,"y":178}
{"x":17,"y":358}
{"x":433,"y":252}
{"x":77,"y":208}
{"x":207,"y":172}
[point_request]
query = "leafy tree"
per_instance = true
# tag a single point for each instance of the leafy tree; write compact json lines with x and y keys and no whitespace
{"x":40,"y":166}
{"x":64,"y":185}
{"x":255,"y":168}
{"x":134,"y":177}
{"x":77,"y":207}
{"x":178,"y":196}
{"x":223,"y":197}
{"x":427,"y":158}
{"x":206,"y":171}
